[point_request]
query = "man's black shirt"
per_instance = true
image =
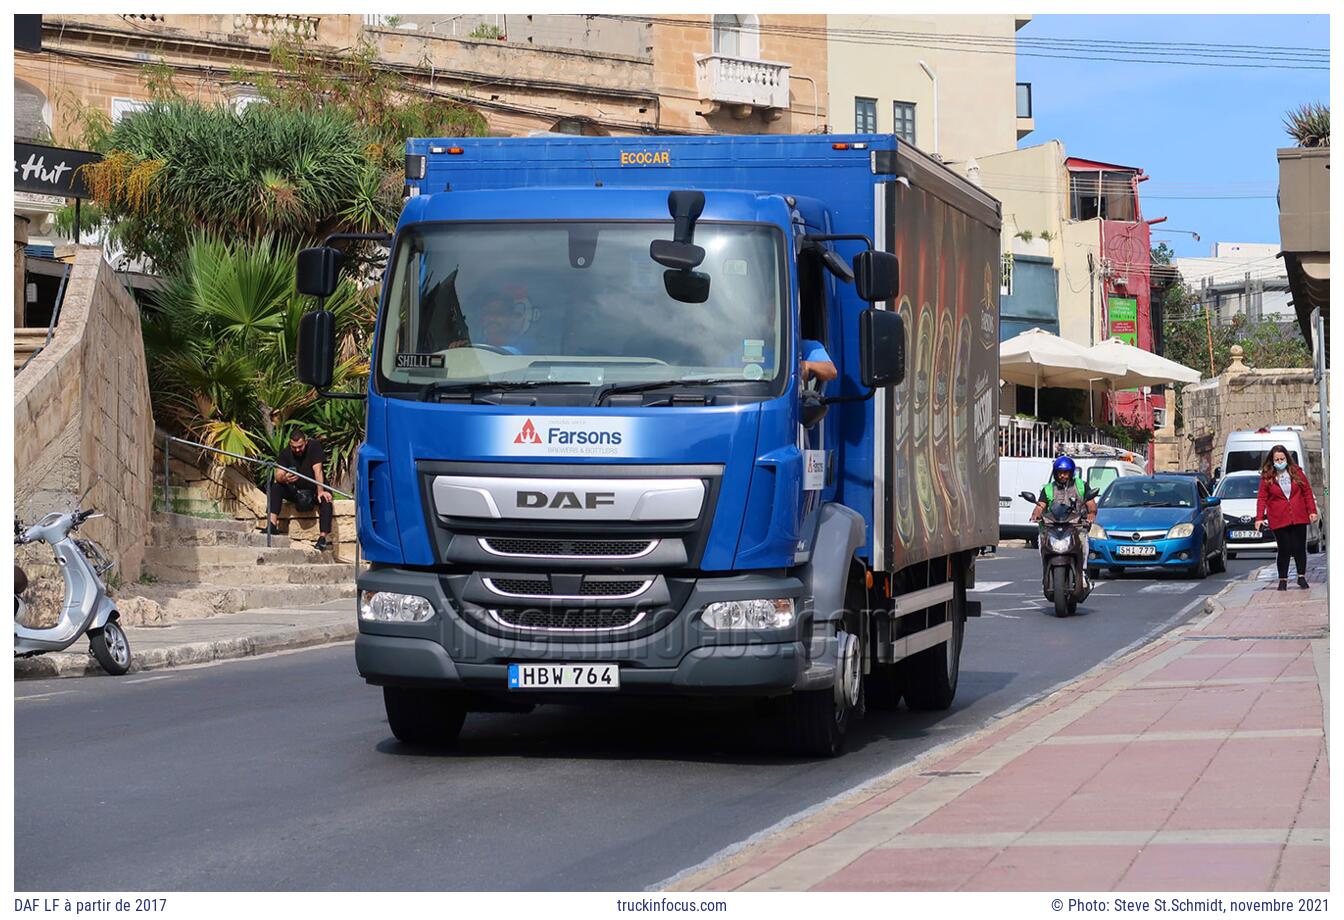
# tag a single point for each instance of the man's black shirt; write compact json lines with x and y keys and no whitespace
{"x":312,"y":456}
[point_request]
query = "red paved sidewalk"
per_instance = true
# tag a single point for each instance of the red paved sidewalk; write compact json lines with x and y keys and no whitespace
{"x":1197,"y":763}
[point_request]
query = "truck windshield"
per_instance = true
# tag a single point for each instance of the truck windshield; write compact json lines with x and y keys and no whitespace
{"x":579,"y":304}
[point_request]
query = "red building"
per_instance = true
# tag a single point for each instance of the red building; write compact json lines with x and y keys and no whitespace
{"x":1109,"y":194}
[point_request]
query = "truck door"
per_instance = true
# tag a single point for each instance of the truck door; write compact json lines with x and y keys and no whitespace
{"x":819,"y":441}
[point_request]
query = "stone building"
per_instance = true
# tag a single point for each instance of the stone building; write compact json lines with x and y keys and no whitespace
{"x":588,"y":74}
{"x":1242,"y":398}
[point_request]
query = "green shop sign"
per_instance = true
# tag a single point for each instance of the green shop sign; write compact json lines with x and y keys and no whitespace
{"x":1123,"y":313}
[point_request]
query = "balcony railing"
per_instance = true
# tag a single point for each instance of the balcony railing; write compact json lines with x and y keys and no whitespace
{"x":1024,"y":100}
{"x":1029,"y":438}
{"x":741,"y":81}
{"x":277,"y":25}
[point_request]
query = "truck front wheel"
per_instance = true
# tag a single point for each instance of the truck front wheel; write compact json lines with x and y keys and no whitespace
{"x":816,"y":721}
{"x":424,"y":716}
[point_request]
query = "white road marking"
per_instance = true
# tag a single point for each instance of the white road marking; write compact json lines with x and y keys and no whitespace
{"x":989,"y":586}
{"x":145,"y":680}
{"x":1166,"y":587}
{"x":42,"y":696}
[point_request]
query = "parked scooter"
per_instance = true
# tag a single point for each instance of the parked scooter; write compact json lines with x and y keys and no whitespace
{"x":86,"y":609}
{"x":1063,"y":557}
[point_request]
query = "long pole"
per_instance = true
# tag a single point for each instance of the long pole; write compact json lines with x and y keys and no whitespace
{"x":1323,"y":395}
{"x":1208,"y":324}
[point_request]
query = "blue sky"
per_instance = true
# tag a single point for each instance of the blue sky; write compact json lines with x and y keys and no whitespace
{"x":1214,"y":126}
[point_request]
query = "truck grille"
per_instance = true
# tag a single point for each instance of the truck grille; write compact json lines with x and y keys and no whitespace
{"x":568,"y":620}
{"x":555,"y":548}
{"x":592,"y":587}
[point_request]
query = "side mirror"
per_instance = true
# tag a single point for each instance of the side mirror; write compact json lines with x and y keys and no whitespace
{"x":814,"y":409}
{"x":316,"y":271}
{"x":1027,"y":497}
{"x":686,"y":286}
{"x":877,"y":276}
{"x":680,"y":252}
{"x":316,"y":358}
{"x":1213,"y":500}
{"x":881,"y":348}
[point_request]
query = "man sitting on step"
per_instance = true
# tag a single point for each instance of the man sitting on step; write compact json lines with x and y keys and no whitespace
{"x":306,"y":456}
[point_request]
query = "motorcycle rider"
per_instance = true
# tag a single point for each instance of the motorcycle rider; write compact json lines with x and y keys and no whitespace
{"x":1064,"y":487}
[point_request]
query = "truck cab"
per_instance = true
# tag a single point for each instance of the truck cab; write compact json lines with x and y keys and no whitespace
{"x":596,"y":460}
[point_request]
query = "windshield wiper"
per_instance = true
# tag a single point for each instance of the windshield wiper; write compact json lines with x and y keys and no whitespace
{"x":601,"y":395}
{"x":430,"y":390}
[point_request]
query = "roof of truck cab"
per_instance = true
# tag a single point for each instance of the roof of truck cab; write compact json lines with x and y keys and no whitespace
{"x":586,"y":203}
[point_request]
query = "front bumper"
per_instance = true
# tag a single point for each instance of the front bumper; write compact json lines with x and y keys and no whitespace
{"x":1167,"y":554}
{"x":456,"y":647}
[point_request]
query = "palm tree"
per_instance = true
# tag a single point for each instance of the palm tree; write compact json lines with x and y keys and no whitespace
{"x":221,"y":347}
{"x":1309,"y":124}
{"x":178,"y":166}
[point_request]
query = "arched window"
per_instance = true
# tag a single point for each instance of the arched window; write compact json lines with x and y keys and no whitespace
{"x":32,"y":113}
{"x":737,"y":36}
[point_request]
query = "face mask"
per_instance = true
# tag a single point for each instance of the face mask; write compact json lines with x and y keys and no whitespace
{"x":1280,"y":465}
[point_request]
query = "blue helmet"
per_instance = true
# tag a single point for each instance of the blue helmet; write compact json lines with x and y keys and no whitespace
{"x":1063,"y":465}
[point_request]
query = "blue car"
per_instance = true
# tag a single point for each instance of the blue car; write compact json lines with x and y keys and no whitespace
{"x":1163,"y":522}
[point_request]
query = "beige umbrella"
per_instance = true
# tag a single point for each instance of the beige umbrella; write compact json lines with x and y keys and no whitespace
{"x":1142,"y":368}
{"x":1036,"y":358}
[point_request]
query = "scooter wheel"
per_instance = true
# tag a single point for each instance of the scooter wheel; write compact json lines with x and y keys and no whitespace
{"x":112,"y":649}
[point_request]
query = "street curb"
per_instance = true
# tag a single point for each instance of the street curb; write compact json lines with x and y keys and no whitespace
{"x":735,"y":855}
{"x":72,"y":664}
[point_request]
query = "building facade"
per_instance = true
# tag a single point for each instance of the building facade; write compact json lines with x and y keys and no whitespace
{"x":904,"y":74}
{"x":1240,"y":279}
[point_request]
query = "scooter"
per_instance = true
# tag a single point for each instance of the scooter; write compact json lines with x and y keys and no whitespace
{"x":87,"y":609}
{"x":1063,"y":557}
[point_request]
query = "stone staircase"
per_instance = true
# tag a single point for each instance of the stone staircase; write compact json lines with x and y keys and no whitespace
{"x":199,"y":567}
{"x":26,"y":342}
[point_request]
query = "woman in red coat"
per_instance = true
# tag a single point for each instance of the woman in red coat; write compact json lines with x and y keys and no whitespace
{"x":1287,"y":502}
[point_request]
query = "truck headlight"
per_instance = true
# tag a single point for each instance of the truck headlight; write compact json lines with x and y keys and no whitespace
{"x":389,"y":607}
{"x":1097,"y":532}
{"x":1061,"y":544}
{"x":1180,"y":530}
{"x":775,"y":613}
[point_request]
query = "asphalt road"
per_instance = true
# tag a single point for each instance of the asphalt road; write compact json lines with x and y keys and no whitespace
{"x":281,"y":774}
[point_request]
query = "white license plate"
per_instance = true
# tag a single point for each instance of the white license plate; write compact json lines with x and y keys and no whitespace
{"x":1245,"y":535}
{"x":1136,"y":550}
{"x":1005,"y":502}
{"x":564,"y":677}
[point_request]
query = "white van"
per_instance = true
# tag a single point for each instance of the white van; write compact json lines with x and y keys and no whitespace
{"x":1245,"y":452}
{"x":1030,"y":474}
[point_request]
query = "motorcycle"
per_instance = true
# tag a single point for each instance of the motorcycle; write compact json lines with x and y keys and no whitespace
{"x":1063,"y":556}
{"x":86,"y":609}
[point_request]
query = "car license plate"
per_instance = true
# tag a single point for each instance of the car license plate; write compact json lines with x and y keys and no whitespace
{"x":564,"y":677}
{"x":1136,"y":550}
{"x":1245,"y":535}
{"x":1005,"y":502}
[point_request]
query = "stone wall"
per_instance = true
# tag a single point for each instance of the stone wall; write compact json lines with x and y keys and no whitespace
{"x":1242,"y":399}
{"x":82,"y":418}
{"x":228,"y":492}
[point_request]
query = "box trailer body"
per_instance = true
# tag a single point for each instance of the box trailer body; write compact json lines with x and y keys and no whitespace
{"x":566,"y":466}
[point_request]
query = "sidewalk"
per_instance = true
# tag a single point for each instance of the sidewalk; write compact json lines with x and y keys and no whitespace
{"x":234,"y":635}
{"x":1197,"y":763}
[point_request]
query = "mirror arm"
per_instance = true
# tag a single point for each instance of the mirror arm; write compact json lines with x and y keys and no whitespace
{"x":828,"y":237}
{"x":829,"y":400}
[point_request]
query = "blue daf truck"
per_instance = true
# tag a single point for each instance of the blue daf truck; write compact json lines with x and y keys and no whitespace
{"x":596,"y":463}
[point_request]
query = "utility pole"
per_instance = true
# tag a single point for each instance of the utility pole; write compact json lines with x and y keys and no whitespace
{"x":1208,"y":323}
{"x":1322,"y":391}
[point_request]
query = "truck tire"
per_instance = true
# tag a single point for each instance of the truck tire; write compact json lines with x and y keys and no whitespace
{"x":883,"y":687}
{"x":421,"y":716}
{"x":813,"y":725}
{"x":1059,"y":590}
{"x":931,"y":675}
